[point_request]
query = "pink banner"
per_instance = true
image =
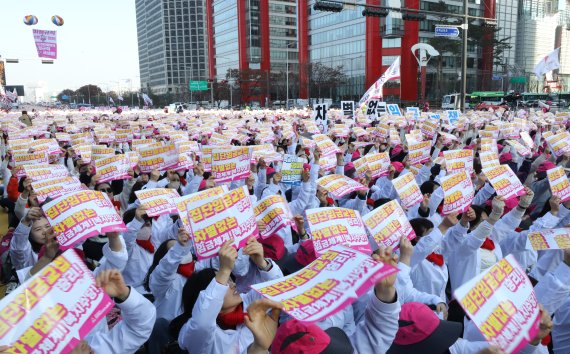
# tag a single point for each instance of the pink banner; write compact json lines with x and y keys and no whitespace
{"x":339,"y":186}
{"x":458,"y":193}
{"x":559,"y":185}
{"x":46,"y":43}
{"x":504,"y":180}
{"x":272,"y":213}
{"x":387,"y":224}
{"x":408,"y":190}
{"x":54,"y":310}
{"x":337,"y":226}
{"x":327,"y":285}
{"x":502,"y":304}
{"x":160,"y":201}
{"x":80,"y":215}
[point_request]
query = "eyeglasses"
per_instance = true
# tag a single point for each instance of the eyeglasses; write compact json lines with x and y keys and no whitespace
{"x":106,"y":190}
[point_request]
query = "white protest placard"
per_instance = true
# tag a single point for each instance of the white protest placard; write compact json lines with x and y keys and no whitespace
{"x":527,"y":140}
{"x":113,"y":168}
{"x":394,"y":109}
{"x":80,"y":215}
{"x":388,"y":224}
{"x":291,"y":170}
{"x":347,"y":108}
{"x":489,"y":159}
{"x":216,"y":220}
{"x":408,"y":190}
{"x":24,"y":158}
{"x":182,"y":203}
{"x":559,"y":144}
{"x":458,"y":192}
{"x":272,"y":213}
{"x":325,"y":145}
{"x":371,"y":107}
{"x":504,"y":181}
{"x":429,"y":128}
{"x":337,"y":226}
{"x":327,"y":285}
{"x":339,"y":186}
{"x":231,"y":164}
{"x":419,"y":152}
{"x":378,"y":164}
{"x":99,"y":152}
{"x":159,"y":201}
{"x":549,"y":239}
{"x":501,"y":302}
{"x":53,"y":310}
{"x":160,"y":158}
{"x":558,"y":181}
{"x":415,"y":111}
{"x":458,"y":161}
{"x":320,"y":117}
{"x":520,"y":148}
{"x":56,"y":187}
{"x":44,"y":172}
{"x":361,"y":166}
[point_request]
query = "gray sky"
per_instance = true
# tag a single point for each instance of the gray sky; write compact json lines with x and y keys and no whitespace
{"x":96,"y":45}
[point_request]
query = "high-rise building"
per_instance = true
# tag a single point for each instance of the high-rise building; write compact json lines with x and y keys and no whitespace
{"x":173,"y":46}
{"x":259,"y":36}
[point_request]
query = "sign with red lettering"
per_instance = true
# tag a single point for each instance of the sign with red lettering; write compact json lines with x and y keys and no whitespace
{"x":113,"y":168}
{"x":501,"y":302}
{"x":458,"y":193}
{"x":327,"y":285}
{"x":159,"y":201}
{"x":339,"y":186}
{"x":559,"y":184}
{"x":53,"y":310}
{"x":458,"y":161}
{"x":419,"y":152}
{"x":56,"y":187}
{"x":161,"y":158}
{"x":408,"y":190}
{"x":231,"y":164}
{"x":214,"y":221}
{"x":80,"y":215}
{"x":504,"y":180}
{"x":550,"y":239}
{"x":337,"y":226}
{"x":272,"y":213}
{"x":387,"y":224}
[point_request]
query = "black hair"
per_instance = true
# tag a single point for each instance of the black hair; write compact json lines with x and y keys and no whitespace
{"x":479,"y":210}
{"x":421,"y":227}
{"x":477,"y":166}
{"x":102,"y":183}
{"x":195,"y":284}
{"x":546,"y":208}
{"x":21,"y":184}
{"x":378,"y":203}
{"x":158,"y":256}
{"x":136,"y":187}
{"x":428,"y":187}
{"x":129,"y":215}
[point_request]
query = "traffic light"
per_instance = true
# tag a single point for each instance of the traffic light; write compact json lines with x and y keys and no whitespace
{"x":328,"y":6}
{"x":413,"y":16}
{"x":373,"y":12}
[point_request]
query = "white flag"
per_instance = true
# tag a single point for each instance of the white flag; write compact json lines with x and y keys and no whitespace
{"x":549,"y":63}
{"x":375,"y":91}
{"x":111,"y":100}
{"x":147,"y":99}
{"x":120,"y":98}
{"x":12,"y":96}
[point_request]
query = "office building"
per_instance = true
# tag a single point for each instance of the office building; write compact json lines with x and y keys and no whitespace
{"x":173,"y":46}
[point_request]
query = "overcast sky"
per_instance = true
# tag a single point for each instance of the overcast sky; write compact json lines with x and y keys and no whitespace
{"x":96,"y":45}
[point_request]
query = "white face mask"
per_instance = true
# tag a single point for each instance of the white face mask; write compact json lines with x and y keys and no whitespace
{"x":174,"y":185}
{"x":144,"y":233}
{"x":187,"y":259}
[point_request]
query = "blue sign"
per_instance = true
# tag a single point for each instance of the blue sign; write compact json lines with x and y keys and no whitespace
{"x":65,"y":98}
{"x":453,"y":116}
{"x":415,"y":111}
{"x":434,"y":116}
{"x":446,"y":31}
{"x":497,"y":77}
{"x":394,"y":109}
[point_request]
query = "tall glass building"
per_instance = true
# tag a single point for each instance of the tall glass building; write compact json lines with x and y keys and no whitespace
{"x":173,"y":46}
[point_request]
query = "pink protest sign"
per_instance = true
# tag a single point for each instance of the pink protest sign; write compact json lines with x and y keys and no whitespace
{"x":361,"y":166}
{"x":113,"y":168}
{"x":325,"y":145}
{"x":501,"y":302}
{"x":387,"y":224}
{"x":46,"y":43}
{"x":30,"y":158}
{"x":184,"y":202}
{"x":272,"y":213}
{"x":160,"y":201}
{"x":408,"y":190}
{"x":504,"y":180}
{"x":56,"y":187}
{"x":559,"y":144}
{"x":327,"y":285}
{"x":458,"y":193}
{"x":520,"y":148}
{"x":379,"y":164}
{"x":231,"y":164}
{"x":339,"y":186}
{"x":161,"y":158}
{"x":44,"y":171}
{"x":80,"y":215}
{"x":53,"y":310}
{"x":214,"y":221}
{"x":489,"y":159}
{"x":337,"y":226}
{"x":527,"y":140}
{"x":458,"y":161}
{"x":559,"y":184}
{"x":419,"y":152}
{"x":550,"y":239}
